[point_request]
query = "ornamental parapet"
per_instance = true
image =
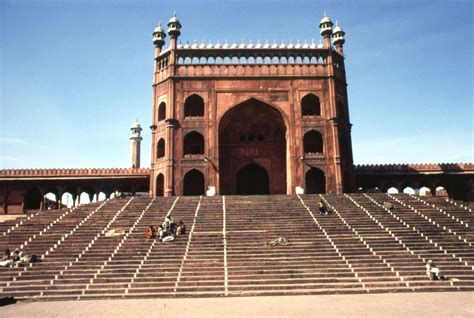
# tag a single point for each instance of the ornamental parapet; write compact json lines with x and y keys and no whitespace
{"x":414,"y":168}
{"x":249,"y":60}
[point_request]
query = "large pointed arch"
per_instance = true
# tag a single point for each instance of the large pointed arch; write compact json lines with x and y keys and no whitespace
{"x":252,"y":132}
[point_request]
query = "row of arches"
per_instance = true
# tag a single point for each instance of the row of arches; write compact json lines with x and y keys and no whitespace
{"x":194,"y":107}
{"x":251,"y":60}
{"x":423,"y":191}
{"x":193,"y":142}
{"x":252,"y":179}
{"x":35,"y":200}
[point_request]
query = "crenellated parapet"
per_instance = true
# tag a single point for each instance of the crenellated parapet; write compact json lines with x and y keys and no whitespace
{"x":251,"y":59}
{"x":463,"y":168}
{"x":75,"y":173}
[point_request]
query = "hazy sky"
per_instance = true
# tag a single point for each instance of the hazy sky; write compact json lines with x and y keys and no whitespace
{"x":76,"y":74}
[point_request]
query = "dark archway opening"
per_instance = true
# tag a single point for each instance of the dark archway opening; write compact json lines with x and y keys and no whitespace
{"x":162,"y":111}
{"x":32,"y":199}
{"x":193,"y":183}
{"x":252,"y":179}
{"x":194,"y":106}
{"x":310,"y":105}
{"x":193,"y":144}
{"x":160,"y":149}
{"x":252,"y":133}
{"x":160,"y":185}
{"x":315,"y":181}
{"x":313,"y":142}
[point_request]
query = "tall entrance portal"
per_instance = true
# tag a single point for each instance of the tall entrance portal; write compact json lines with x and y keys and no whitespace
{"x":252,"y":150}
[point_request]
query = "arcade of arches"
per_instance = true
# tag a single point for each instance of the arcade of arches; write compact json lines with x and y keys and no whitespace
{"x":43,"y":189}
{"x":23,"y":190}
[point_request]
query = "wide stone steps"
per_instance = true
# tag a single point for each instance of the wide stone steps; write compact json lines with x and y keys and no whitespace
{"x":358,"y":248}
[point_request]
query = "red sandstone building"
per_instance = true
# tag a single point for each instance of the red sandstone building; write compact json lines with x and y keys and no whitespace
{"x":249,"y":118}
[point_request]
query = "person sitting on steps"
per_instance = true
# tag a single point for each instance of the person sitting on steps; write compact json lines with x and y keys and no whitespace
{"x":433,"y":271}
{"x":168,"y":223}
{"x":181,"y":229}
{"x":150,"y":232}
{"x":322,"y":208}
{"x":6,"y":260}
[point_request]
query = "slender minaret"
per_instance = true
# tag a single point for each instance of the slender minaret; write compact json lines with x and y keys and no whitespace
{"x":136,"y":139}
{"x":338,"y":38}
{"x":325,"y":29}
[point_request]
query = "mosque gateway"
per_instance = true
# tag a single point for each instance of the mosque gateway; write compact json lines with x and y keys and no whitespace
{"x":250,"y":118}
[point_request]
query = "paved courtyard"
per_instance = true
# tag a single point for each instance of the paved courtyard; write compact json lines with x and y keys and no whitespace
{"x":374,"y":305}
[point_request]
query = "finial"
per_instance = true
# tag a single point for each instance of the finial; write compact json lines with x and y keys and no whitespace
{"x":174,"y":13}
{"x":325,"y":13}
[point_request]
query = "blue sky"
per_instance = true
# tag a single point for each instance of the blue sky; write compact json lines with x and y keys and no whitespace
{"x":76,"y":74}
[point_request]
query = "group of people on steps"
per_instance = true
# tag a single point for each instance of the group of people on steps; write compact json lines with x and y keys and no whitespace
{"x":167,"y":231}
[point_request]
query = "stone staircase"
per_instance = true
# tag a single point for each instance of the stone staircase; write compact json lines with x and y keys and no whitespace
{"x":99,"y":250}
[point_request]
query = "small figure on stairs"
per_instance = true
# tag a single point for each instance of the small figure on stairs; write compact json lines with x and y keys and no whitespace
{"x":6,"y":260}
{"x":181,"y":229}
{"x":277,"y":242}
{"x":323,"y":208}
{"x":433,"y":271}
{"x":388,"y":206}
{"x":150,"y":232}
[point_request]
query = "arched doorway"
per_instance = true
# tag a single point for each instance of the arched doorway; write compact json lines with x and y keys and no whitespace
{"x":193,"y":183}
{"x":252,"y":133}
{"x":160,"y":185}
{"x":252,"y":179}
{"x":315,"y":181}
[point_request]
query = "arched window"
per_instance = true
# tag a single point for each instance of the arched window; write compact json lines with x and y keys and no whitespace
{"x":193,"y":183}
{"x":162,"y":111}
{"x":160,"y":149}
{"x":313,"y":142}
{"x":310,"y":105}
{"x":194,"y":106}
{"x":193,"y":143}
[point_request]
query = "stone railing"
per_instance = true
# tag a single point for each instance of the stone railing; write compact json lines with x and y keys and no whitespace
{"x":9,"y":173}
{"x":417,"y":168}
